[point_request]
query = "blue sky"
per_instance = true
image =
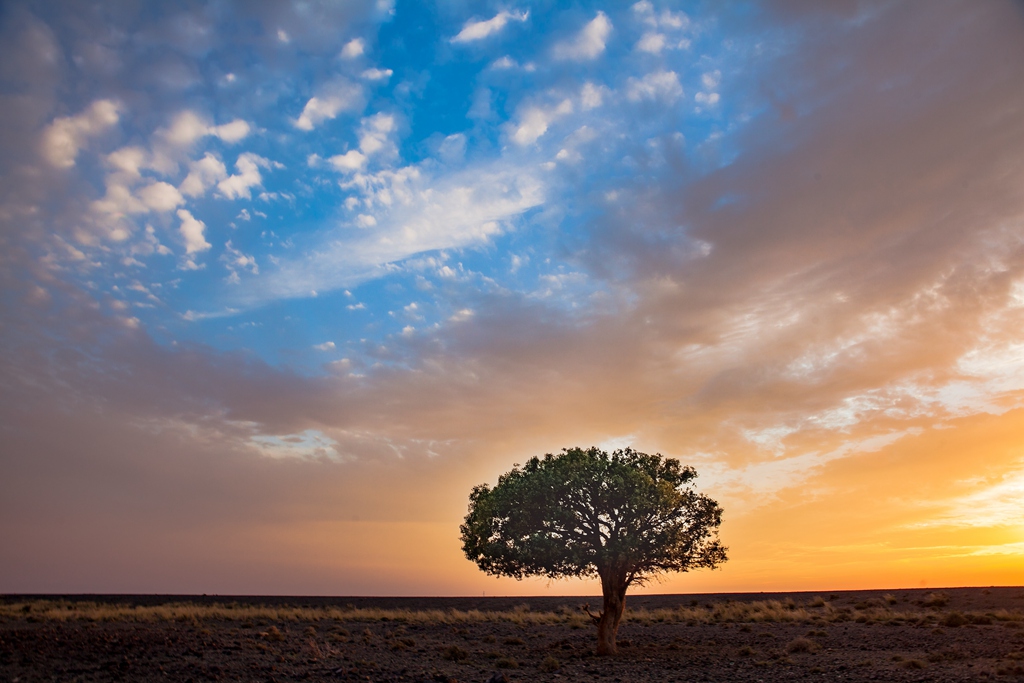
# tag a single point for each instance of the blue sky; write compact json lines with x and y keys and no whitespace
{"x":281,"y":281}
{"x":306,"y":197}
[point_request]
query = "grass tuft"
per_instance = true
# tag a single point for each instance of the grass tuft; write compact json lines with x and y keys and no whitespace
{"x":549,"y":665}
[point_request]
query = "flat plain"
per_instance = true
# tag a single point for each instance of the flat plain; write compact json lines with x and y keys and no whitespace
{"x":952,"y":634}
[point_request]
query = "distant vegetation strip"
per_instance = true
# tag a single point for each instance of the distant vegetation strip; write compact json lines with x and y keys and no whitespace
{"x":923,"y":612}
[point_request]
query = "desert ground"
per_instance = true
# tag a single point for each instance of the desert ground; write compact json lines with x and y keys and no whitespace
{"x":953,"y":634}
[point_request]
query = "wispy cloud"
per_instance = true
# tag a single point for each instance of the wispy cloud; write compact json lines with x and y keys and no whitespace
{"x":589,"y":43}
{"x":478,"y":30}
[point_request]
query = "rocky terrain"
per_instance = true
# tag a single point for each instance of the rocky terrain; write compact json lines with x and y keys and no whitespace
{"x":964,"y":634}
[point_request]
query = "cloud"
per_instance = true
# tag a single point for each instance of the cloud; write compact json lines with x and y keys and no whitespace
{"x":340,"y":95}
{"x":192,"y":230}
{"x":353,"y":48}
{"x":62,"y":139}
{"x":186,"y":128}
{"x":248,"y":176}
{"x":414,"y":213}
{"x":326,"y":346}
{"x":588,"y":43}
{"x":657,"y":85}
{"x":651,"y":42}
{"x":534,"y":121}
{"x":161,"y":196}
{"x":377,"y":74}
{"x":352,"y":160}
{"x":478,"y":30}
{"x":232,"y":132}
{"x":128,"y":160}
{"x":592,"y":96}
{"x":203,"y":174}
{"x":375,"y":134}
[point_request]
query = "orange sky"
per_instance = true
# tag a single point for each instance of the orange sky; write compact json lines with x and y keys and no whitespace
{"x":843,"y":365}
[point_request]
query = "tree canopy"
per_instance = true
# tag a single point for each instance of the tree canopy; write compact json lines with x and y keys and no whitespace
{"x":623,"y":517}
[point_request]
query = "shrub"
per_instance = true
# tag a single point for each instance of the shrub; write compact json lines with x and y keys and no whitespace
{"x":273,"y":634}
{"x":954,"y":619}
{"x":913,"y":664}
{"x":507,"y":663}
{"x":935,"y":600}
{"x":549,"y":665}
{"x":454,"y":653}
{"x":801,"y":644}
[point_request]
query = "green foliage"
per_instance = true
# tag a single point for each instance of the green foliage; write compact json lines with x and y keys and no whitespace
{"x":586,"y":513}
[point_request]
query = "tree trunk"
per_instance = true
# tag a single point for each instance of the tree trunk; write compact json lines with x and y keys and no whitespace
{"x":614,"y":589}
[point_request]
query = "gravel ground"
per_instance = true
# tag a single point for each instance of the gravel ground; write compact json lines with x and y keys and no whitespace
{"x":328,"y":650}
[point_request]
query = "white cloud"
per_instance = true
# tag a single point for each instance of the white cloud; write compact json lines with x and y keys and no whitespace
{"x":534,"y":121}
{"x":352,"y":160}
{"x":192,"y":230}
{"x":415,"y":213}
{"x":592,"y":96}
{"x":231,"y":132}
{"x":203,"y":174}
{"x":651,"y":42}
{"x":353,"y":48}
{"x":588,"y":43}
{"x":161,"y":196}
{"x":477,"y":30}
{"x":235,"y":260}
{"x":374,"y":133}
{"x":710,"y":80}
{"x":706,"y":98}
{"x":326,"y":346}
{"x":505,"y":62}
{"x":248,"y":176}
{"x":63,"y":138}
{"x":667,"y":20}
{"x":377,"y":74}
{"x":186,"y":128}
{"x":658,"y":85}
{"x":336,"y":97}
{"x":117,"y":203}
{"x":128,"y":160}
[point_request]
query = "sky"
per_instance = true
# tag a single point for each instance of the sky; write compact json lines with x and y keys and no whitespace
{"x":280,"y":282}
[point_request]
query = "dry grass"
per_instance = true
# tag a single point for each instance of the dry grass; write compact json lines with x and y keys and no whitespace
{"x":817,"y":611}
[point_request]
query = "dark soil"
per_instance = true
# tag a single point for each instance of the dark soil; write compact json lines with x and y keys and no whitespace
{"x":211,"y":650}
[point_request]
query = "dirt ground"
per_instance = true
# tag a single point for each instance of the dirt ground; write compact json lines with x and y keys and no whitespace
{"x":965,"y":634}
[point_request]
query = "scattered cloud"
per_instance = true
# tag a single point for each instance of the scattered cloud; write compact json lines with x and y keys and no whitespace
{"x":202,"y":175}
{"x":589,"y":43}
{"x":352,"y":160}
{"x":534,"y":120}
{"x":336,"y":97}
{"x":240,"y":185}
{"x":658,"y":85}
{"x":63,"y":138}
{"x":478,"y":30}
{"x":353,"y":48}
{"x":192,"y":232}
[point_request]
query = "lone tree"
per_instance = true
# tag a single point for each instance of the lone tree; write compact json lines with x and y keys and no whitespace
{"x":622,"y":517}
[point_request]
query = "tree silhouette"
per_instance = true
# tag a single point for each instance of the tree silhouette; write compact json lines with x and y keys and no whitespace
{"x":623,"y":517}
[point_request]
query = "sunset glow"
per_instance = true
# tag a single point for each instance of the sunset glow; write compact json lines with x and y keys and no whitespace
{"x":281,"y":282}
